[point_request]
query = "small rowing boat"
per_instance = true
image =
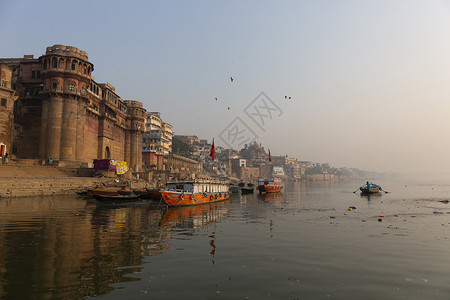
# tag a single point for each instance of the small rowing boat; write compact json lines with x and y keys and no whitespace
{"x":370,"y":188}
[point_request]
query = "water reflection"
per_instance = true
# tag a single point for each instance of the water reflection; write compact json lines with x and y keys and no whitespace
{"x":370,"y":197}
{"x":65,"y":247}
{"x":275,"y":198}
{"x":195,"y":216}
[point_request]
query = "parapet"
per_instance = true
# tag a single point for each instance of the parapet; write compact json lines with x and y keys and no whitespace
{"x":67,"y":51}
{"x":133,"y":103}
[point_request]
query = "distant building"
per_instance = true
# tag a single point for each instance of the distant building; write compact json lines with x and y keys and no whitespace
{"x":157,"y":132}
{"x":278,"y":171}
{"x":248,"y":173}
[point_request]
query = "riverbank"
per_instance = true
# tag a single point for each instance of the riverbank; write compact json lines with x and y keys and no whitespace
{"x":29,"y":181}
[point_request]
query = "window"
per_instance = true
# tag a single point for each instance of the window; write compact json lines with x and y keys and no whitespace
{"x":72,"y":87}
{"x":74,"y":66}
{"x":4,"y":102}
{"x":45,"y":64}
{"x":55,"y":85}
{"x":55,"y":62}
{"x":38,"y":73}
{"x":33,"y":74}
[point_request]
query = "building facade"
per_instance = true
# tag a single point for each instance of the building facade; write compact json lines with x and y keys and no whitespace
{"x":7,"y":98}
{"x":63,"y":114}
{"x":157,"y":133}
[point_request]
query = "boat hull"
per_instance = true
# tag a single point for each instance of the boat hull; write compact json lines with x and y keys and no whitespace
{"x":245,"y":191}
{"x":185,"y":199}
{"x":266,"y":188}
{"x":117,"y":198}
{"x":370,"y":191}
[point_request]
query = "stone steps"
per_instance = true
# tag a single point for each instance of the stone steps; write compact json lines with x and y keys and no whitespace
{"x":40,"y":186}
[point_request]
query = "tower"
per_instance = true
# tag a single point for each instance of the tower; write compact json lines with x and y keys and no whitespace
{"x":66,"y":74}
{"x":133,"y":135}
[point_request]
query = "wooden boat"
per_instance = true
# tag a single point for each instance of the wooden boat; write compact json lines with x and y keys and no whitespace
{"x":247,"y":190}
{"x":370,"y":188}
{"x":116,"y":198}
{"x":153,"y":194}
{"x":271,"y":185}
{"x":193,"y":192}
{"x":103,"y":192}
{"x":234,"y":189}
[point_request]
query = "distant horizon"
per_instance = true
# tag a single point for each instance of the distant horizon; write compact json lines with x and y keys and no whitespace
{"x":349,"y":83}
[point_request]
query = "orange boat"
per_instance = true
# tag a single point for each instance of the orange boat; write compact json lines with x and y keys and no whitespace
{"x":193,"y":192}
{"x":271,"y":185}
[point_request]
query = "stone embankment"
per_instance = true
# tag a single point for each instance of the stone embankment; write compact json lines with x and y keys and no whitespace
{"x":25,"y":181}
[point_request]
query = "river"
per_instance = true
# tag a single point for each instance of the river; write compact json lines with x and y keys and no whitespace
{"x":302,"y":244}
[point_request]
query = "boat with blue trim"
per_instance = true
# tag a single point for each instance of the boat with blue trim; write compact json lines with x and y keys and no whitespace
{"x":370,"y":188}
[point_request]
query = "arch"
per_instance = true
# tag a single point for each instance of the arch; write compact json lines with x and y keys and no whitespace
{"x":45,"y":64}
{"x":80,"y":66}
{"x":68,"y":64}
{"x":61,"y":63}
{"x":74,"y":65}
{"x":107,"y":153}
{"x":54,"y":62}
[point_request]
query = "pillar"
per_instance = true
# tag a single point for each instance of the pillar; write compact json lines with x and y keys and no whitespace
{"x":69,"y":129}
{"x":53,"y":141}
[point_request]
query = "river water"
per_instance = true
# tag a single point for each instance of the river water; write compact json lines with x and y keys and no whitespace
{"x":301,"y":244}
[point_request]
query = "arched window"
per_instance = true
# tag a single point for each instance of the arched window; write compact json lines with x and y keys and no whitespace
{"x":68,"y":64}
{"x":84,"y":69}
{"x":61,"y":63}
{"x":74,"y":65}
{"x":45,"y":64}
{"x":54,"y":62}
{"x":89,"y":70}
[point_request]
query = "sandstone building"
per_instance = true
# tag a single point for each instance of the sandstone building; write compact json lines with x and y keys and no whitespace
{"x":62,"y":113}
{"x":7,"y":98}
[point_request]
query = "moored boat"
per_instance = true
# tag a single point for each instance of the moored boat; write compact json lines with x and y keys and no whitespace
{"x":234,"y":189}
{"x":247,"y":190}
{"x":271,"y":185}
{"x":193,"y":192}
{"x":122,"y":198}
{"x":153,"y":194}
{"x":370,"y":188}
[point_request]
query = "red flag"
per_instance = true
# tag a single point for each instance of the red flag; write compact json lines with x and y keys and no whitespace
{"x":212,"y":151}
{"x":270,"y":156}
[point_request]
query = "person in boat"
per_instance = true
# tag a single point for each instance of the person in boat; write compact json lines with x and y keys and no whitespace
{"x":368,"y":185}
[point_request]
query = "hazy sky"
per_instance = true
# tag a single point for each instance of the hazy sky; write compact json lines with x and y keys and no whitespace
{"x":369,"y":81}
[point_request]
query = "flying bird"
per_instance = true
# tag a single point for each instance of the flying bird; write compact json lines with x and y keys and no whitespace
{"x":215,"y":98}
{"x":228,"y":108}
{"x":231,"y":78}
